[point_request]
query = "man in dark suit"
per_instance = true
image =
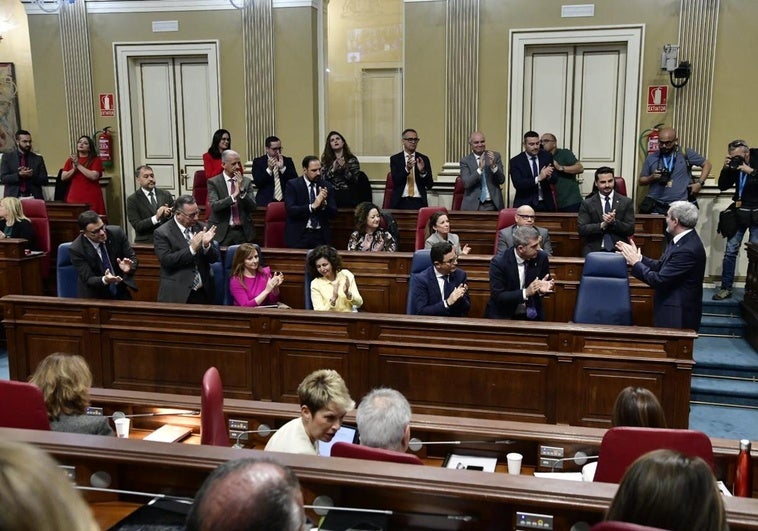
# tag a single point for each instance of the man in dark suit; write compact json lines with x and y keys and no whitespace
{"x":532,"y":174}
{"x":310,"y":205}
{"x":103,"y":258}
{"x":606,"y":216}
{"x":269,"y":166}
{"x":148,"y":207}
{"x":411,"y":175}
{"x":482,"y":176}
{"x":231,"y":202}
{"x":442,"y":278}
{"x":519,"y":278}
{"x":185,"y":251}
{"x":22,"y":171}
{"x":677,"y":277}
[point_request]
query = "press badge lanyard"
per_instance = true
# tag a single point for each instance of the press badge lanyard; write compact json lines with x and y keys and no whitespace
{"x":668,"y":162}
{"x":741,"y":187}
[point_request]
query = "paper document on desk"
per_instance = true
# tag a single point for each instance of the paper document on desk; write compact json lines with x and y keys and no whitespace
{"x":169,"y":433}
{"x":571,"y":476}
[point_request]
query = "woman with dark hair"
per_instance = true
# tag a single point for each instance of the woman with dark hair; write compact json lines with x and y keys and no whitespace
{"x":64,"y":380}
{"x":222,"y":140}
{"x":333,"y":287}
{"x":251,"y":284}
{"x":439,"y":231}
{"x":668,"y":490}
{"x":637,"y":406}
{"x":368,"y":235}
{"x":341,"y":168}
{"x":13,"y":222}
{"x":83,"y":169}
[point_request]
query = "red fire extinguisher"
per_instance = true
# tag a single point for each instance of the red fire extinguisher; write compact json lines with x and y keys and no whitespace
{"x":105,"y":147}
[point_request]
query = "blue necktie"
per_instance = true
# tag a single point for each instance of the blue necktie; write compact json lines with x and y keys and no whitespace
{"x":535,"y":171}
{"x":313,"y":220}
{"x":483,"y":194}
{"x":107,"y":266}
{"x":197,"y":281}
{"x":531,"y":310}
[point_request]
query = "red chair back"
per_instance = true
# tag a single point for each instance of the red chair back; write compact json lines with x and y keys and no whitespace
{"x":274,"y":225}
{"x":458,"y":193}
{"x":200,"y":192}
{"x":23,"y":406}
{"x":621,"y":185}
{"x":424,"y":213}
{"x":621,"y":446}
{"x":505,"y":218}
{"x":36,"y":211}
{"x":388,"y":187}
{"x":356,"y":451}
{"x":213,"y":430}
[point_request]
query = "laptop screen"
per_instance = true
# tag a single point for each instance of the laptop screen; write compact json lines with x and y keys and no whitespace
{"x":346,"y":433}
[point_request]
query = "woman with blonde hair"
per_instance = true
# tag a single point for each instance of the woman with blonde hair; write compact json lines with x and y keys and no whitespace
{"x":13,"y":222}
{"x":251,"y":284}
{"x":65,"y":380}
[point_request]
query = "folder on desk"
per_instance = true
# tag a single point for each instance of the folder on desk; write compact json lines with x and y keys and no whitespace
{"x":169,"y":433}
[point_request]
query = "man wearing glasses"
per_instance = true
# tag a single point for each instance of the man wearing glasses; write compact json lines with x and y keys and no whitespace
{"x":411,"y":175}
{"x":104,"y":260}
{"x":271,"y":169}
{"x":185,"y":251}
{"x":441,"y":289}
{"x":669,"y":174}
{"x":524,"y":218}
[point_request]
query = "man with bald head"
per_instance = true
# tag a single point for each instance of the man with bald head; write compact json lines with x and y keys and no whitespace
{"x":482,"y":176}
{"x":248,"y":494}
{"x":668,"y":173}
{"x":524,"y":217}
{"x":231,"y":202}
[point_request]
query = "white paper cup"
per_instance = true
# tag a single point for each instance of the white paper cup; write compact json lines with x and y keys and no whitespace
{"x":514,"y":463}
{"x":122,"y":427}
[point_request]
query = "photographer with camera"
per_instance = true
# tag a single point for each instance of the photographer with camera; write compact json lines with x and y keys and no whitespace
{"x":738,"y":172}
{"x":669,"y":174}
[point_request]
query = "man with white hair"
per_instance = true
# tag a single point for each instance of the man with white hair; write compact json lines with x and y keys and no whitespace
{"x":384,"y":420}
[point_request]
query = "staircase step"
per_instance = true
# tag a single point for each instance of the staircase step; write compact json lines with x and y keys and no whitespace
{"x":724,"y":391}
{"x":722,"y":325}
{"x":725,"y":357}
{"x":730,"y":306}
{"x":728,"y":422}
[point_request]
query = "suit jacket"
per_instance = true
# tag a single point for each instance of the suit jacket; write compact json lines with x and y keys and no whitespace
{"x":139,"y":212}
{"x":591,"y":216}
{"x":297,"y":200}
{"x":220,"y":205}
{"x":9,"y":174}
{"x":400,"y":177}
{"x":178,"y":263}
{"x":22,"y":228}
{"x":427,"y":296}
{"x":677,"y":279}
{"x":505,"y":289}
{"x":520,"y":170}
{"x":264,"y":181}
{"x":86,"y":259}
{"x":472,"y":182}
{"x":505,"y":239}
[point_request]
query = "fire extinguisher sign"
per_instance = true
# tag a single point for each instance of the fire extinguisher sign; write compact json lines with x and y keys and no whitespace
{"x":107,"y":105}
{"x":656,"y":98}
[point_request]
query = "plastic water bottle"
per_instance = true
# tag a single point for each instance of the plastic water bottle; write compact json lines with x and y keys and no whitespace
{"x":355,"y":308}
{"x":743,"y":476}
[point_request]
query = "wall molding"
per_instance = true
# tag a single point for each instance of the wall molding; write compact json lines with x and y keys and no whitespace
{"x":148,"y":6}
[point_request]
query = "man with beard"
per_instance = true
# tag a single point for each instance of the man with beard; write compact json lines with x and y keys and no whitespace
{"x":22,"y":171}
{"x":668,"y":173}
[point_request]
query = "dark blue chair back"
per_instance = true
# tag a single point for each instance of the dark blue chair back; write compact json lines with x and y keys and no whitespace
{"x":604,"y":296}
{"x":66,"y":275}
{"x":228,"y":259}
{"x":307,"y":281}
{"x":219,"y":278}
{"x":421,"y":261}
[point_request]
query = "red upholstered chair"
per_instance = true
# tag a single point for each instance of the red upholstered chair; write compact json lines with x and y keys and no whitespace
{"x":213,"y":430}
{"x":274,"y":224}
{"x":200,"y":192}
{"x":388,"y":187}
{"x":36,"y":211}
{"x":621,"y":446}
{"x":458,"y":193}
{"x":622,"y":526}
{"x":620,"y":185}
{"x":356,"y":451}
{"x":424,"y":214}
{"x":23,"y":406}
{"x":505,"y":218}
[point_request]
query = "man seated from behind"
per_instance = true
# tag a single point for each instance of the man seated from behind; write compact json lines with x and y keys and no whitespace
{"x":384,"y":420}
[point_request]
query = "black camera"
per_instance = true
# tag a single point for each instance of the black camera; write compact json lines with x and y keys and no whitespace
{"x":665,"y":175}
{"x":736,"y":161}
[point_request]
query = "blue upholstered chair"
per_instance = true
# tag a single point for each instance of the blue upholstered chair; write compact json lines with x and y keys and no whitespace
{"x":219,"y":278}
{"x":307,"y":281}
{"x":421,"y":261}
{"x":65,"y":273}
{"x":604,"y":296}
{"x":228,"y":259}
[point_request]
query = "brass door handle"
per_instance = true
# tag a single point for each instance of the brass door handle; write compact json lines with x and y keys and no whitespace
{"x":183,"y":176}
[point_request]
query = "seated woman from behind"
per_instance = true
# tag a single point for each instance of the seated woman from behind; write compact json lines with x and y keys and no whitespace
{"x":368,"y":235}
{"x":637,"y":406}
{"x":13,"y":222}
{"x":669,"y":490}
{"x":65,"y":380}
{"x":333,"y":288}
{"x":439,"y":231}
{"x":252,"y":284}
{"x":324,"y":401}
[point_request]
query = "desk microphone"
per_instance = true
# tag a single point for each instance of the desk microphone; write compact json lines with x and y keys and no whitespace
{"x":323,"y":504}
{"x":579,"y":459}
{"x":415,"y":445}
{"x":122,"y":415}
{"x":264,"y":430}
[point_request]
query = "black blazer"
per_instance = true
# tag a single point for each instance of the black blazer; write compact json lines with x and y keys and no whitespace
{"x":591,"y":216}
{"x":139,"y":213}
{"x":297,"y":200}
{"x":505,"y":288}
{"x":400,"y":177}
{"x":9,"y":174}
{"x":523,"y":181}
{"x":264,"y":181}
{"x":22,"y":228}
{"x":90,"y":268}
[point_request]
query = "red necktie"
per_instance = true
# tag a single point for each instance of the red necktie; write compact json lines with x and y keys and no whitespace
{"x":235,"y":206}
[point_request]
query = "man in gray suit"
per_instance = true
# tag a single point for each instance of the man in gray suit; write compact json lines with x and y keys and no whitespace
{"x":482,"y":176}
{"x":524,"y":217}
{"x":149,"y":207}
{"x":231,"y":201}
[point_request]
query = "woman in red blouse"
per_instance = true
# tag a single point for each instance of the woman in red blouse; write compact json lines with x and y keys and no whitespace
{"x":84,"y":169}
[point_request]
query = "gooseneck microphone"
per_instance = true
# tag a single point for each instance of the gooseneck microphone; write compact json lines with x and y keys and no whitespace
{"x":579,"y":459}
{"x":264,"y":430}
{"x":122,"y":415}
{"x":415,"y":444}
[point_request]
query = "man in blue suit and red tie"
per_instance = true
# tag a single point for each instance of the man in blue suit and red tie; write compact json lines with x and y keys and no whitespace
{"x":532,"y":174}
{"x":441,"y":289}
{"x":677,"y":277}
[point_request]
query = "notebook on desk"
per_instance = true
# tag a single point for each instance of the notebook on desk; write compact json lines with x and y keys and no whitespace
{"x":169,"y":433}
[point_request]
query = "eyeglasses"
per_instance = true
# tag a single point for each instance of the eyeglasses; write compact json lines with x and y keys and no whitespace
{"x":667,"y":142}
{"x":191,"y":215}
{"x":526,"y":216}
{"x":734,"y":144}
{"x":97,"y":231}
{"x":416,"y":139}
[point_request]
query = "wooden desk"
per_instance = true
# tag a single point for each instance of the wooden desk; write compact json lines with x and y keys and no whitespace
{"x":19,"y":273}
{"x":482,"y":368}
{"x":490,"y":499}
